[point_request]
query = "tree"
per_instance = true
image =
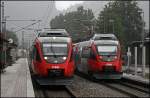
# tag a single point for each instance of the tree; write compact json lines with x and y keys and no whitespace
{"x":77,"y":23}
{"x":127,"y":21}
{"x":12,"y":35}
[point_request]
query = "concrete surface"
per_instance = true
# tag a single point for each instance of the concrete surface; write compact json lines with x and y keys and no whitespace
{"x":16,"y":81}
{"x":136,"y":78}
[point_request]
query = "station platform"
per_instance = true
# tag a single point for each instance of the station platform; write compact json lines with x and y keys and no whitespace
{"x":136,"y":78}
{"x":130,"y":74}
{"x":16,"y":81}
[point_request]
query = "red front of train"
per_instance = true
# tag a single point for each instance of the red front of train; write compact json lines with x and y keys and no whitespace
{"x":52,"y":61}
{"x":105,"y":61}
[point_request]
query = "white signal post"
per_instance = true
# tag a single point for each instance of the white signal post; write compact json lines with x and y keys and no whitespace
{"x":135,"y":48}
{"x":143,"y":60}
{"x":129,"y":57}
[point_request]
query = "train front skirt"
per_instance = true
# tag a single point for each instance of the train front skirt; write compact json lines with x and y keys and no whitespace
{"x":54,"y":81}
{"x":105,"y":75}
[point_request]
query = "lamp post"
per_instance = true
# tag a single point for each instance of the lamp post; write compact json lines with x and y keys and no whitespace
{"x":143,"y":28}
{"x":112,"y":21}
{"x":142,"y":34}
{"x":87,"y":28}
{"x":142,"y":46}
{"x":104,"y":26}
{"x":5,"y":30}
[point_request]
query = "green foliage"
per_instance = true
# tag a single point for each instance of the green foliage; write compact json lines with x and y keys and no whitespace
{"x":127,"y":21}
{"x":122,"y":17}
{"x":12,"y":35}
{"x":77,"y":23}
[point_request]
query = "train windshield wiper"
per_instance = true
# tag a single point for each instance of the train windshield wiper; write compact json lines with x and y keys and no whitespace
{"x":53,"y":50}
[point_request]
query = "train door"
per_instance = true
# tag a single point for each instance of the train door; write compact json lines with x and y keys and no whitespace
{"x":79,"y":58}
{"x":84,"y":58}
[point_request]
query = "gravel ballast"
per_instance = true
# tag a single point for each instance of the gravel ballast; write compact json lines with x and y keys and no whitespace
{"x":84,"y":88}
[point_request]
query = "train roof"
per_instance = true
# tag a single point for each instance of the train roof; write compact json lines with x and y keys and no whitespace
{"x":54,"y":39}
{"x":99,"y":42}
{"x":53,"y":33}
{"x":104,"y":37}
{"x":112,"y":42}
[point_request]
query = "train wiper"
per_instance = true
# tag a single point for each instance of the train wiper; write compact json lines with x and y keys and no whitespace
{"x":53,"y":51}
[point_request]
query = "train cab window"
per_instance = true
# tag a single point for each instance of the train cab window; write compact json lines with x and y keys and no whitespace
{"x":107,"y":49}
{"x":36,"y":55}
{"x":92,"y":55}
{"x":55,"y":49}
{"x":33,"y":53}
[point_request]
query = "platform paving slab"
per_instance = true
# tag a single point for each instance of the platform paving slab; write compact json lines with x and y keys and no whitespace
{"x":16,"y":81}
{"x":136,"y":78}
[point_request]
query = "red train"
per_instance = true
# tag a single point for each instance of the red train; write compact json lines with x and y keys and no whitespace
{"x":52,"y":60}
{"x":100,"y":57}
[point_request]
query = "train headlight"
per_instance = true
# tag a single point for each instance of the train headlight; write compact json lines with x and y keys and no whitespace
{"x":100,"y":57}
{"x":54,"y":38}
{"x":115,"y":57}
{"x":64,"y":58}
{"x":45,"y":58}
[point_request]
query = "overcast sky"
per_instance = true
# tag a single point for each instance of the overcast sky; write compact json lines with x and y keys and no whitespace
{"x":43,"y":10}
{"x":62,"y":5}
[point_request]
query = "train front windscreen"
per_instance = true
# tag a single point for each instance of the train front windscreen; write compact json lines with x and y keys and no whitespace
{"x":55,"y":52}
{"x":107,"y":53}
{"x":107,"y":49}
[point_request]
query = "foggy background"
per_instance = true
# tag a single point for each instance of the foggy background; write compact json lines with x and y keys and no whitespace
{"x":46,"y":10}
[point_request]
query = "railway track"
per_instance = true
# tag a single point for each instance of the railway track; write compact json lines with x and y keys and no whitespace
{"x":52,"y":91}
{"x":127,"y":89}
{"x":56,"y":91}
{"x":125,"y":86}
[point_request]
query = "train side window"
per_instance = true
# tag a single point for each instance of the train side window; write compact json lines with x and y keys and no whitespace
{"x":85,"y":52}
{"x":92,"y":55}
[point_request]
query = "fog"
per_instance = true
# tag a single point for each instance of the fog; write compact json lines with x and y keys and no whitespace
{"x":45,"y":11}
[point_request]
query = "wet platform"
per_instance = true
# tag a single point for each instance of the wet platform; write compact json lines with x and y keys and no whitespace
{"x":16,"y":81}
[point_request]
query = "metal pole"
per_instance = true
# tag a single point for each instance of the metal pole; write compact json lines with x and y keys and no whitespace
{"x":2,"y":17}
{"x":104,"y":25}
{"x":22,"y":39}
{"x":23,"y":43}
{"x":113,"y":27}
{"x":5,"y":38}
{"x":129,"y":55}
{"x":143,"y":29}
{"x":4,"y":30}
{"x":135,"y":48}
{"x":92,"y":29}
{"x":143,"y":60}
